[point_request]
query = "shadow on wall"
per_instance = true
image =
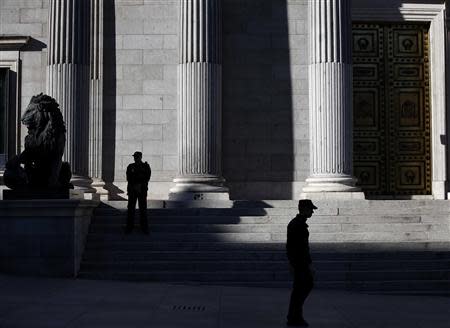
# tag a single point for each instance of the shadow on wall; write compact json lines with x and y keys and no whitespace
{"x":258,"y":156}
{"x":109,"y":99}
{"x":34,"y":45}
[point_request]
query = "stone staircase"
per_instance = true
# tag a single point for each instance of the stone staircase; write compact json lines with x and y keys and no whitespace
{"x":391,"y":246}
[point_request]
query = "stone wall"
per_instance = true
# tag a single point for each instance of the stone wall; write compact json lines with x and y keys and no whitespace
{"x":146,"y":95}
{"x":265,"y":98}
{"x":265,"y":107}
{"x":28,"y":18}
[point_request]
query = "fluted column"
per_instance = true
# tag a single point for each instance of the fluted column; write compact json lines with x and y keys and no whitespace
{"x":330,"y":96}
{"x":95,"y":100}
{"x":68,"y":75}
{"x":200,"y":102}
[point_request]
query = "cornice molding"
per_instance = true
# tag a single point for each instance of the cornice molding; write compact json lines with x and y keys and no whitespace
{"x":13,"y":42}
{"x":409,"y":11}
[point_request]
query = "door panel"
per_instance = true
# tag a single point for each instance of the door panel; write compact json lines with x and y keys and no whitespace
{"x":391,"y":111}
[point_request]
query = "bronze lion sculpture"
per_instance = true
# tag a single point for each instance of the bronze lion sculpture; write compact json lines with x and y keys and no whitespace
{"x":44,"y":147}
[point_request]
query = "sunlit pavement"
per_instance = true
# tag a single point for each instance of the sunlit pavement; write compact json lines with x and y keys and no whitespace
{"x":42,"y":302}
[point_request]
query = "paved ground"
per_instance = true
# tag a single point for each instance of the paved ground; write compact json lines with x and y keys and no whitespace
{"x":41,"y":302}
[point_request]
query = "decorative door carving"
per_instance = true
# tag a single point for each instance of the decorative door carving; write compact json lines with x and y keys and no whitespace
{"x":391,"y":109}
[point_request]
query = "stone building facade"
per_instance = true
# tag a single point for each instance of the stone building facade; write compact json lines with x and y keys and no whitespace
{"x":237,"y":98}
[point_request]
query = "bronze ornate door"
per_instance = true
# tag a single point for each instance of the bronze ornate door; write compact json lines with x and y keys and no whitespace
{"x":391,"y":109}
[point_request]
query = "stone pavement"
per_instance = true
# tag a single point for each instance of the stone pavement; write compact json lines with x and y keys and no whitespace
{"x":65,"y":303}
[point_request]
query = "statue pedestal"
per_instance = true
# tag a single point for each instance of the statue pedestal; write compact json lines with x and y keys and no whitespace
{"x":44,"y":237}
{"x":40,"y":194}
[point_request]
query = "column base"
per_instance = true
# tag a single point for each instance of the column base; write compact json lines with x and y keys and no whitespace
{"x":332,"y":195}
{"x":326,"y":187}
{"x":199,"y":188}
{"x":97,"y":190}
{"x":81,"y":186}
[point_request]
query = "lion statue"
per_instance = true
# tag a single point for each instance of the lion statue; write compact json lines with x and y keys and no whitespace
{"x":44,"y":147}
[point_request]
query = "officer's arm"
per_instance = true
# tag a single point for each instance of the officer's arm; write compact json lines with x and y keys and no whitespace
{"x":128,"y":173}
{"x":149,"y":171}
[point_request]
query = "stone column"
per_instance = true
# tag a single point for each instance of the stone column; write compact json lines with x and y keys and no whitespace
{"x":200,"y":103}
{"x":95,"y":100}
{"x":330,"y":97}
{"x":68,"y":76}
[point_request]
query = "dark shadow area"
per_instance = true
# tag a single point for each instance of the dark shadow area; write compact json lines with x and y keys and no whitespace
{"x":445,"y":140}
{"x":20,"y":43}
{"x":258,"y":155}
{"x":114,"y":191}
{"x":13,"y":116}
{"x":33,"y":45}
{"x":231,"y":246}
{"x":202,"y":246}
{"x":396,"y":197}
{"x":109,"y":99}
{"x":254,"y":203}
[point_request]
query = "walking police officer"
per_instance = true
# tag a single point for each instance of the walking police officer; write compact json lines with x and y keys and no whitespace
{"x":297,"y":248}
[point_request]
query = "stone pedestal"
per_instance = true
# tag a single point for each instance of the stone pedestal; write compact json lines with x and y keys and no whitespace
{"x":36,"y":194}
{"x":330,"y":94}
{"x":43,"y":237}
{"x":200,"y":103}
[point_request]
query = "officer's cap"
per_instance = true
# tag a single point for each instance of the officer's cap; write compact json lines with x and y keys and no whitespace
{"x":306,"y":204}
{"x":137,"y":153}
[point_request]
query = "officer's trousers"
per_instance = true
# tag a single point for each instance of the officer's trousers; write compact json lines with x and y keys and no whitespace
{"x":303,"y":284}
{"x":142,"y":202}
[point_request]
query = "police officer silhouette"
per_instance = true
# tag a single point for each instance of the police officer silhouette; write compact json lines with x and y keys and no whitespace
{"x":138,"y":176}
{"x":297,"y":247}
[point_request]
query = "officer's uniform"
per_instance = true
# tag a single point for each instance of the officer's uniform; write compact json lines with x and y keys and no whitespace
{"x":297,"y":247}
{"x":138,"y":176}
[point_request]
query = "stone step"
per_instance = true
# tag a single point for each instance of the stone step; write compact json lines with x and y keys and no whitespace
{"x":275,"y":228}
{"x":152,"y":245}
{"x":417,"y":288}
{"x":242,"y":263}
{"x":184,"y":276}
{"x":358,"y":206}
{"x":389,"y":287}
{"x":206,"y":204}
{"x":181,"y":237}
{"x":266,"y":219}
{"x":355,"y":277}
{"x":362,"y":247}
{"x":94,"y":255}
{"x":355,"y":259}
{"x":353,"y":213}
{"x":246,"y":237}
{"x":184,"y":266}
{"x":187,"y":212}
{"x":199,"y":228}
{"x":398,"y":203}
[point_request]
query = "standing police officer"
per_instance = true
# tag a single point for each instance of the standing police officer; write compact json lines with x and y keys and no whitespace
{"x":138,"y":176}
{"x":297,"y":247}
